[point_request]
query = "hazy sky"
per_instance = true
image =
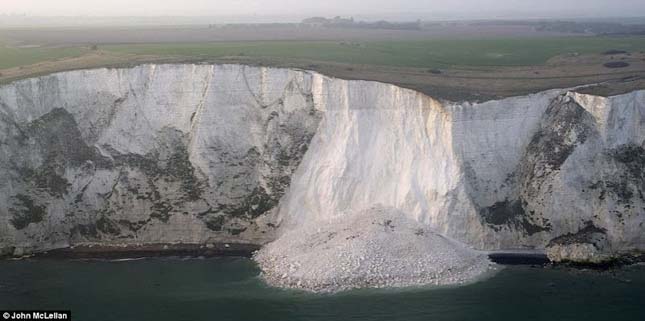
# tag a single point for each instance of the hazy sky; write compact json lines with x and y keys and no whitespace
{"x":466,"y":8}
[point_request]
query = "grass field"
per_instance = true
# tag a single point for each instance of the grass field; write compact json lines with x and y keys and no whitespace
{"x":475,"y":69}
{"x":14,"y":57}
{"x":425,"y":54}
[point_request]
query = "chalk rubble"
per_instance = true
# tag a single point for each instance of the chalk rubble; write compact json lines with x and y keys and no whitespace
{"x":374,"y":248}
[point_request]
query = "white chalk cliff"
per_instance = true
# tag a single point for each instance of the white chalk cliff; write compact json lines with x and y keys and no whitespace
{"x":202,"y":153}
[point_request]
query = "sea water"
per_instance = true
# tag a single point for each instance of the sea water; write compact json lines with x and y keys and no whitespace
{"x":231,"y":289}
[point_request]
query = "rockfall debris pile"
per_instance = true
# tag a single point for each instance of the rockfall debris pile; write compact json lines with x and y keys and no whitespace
{"x":375,"y":248}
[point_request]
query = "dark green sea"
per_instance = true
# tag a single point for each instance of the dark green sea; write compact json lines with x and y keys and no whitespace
{"x":229,"y":289}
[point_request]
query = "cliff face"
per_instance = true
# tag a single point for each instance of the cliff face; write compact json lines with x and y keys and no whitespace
{"x":525,"y":172}
{"x":154,"y":154}
{"x":185,"y":153}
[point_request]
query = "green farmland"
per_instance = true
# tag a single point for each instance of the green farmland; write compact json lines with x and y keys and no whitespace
{"x":15,"y":57}
{"x":422,"y":54}
{"x":425,"y":54}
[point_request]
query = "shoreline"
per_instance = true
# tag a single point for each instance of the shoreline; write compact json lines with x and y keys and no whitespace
{"x":91,"y":251}
{"x":518,"y":258}
{"x":246,"y":250}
